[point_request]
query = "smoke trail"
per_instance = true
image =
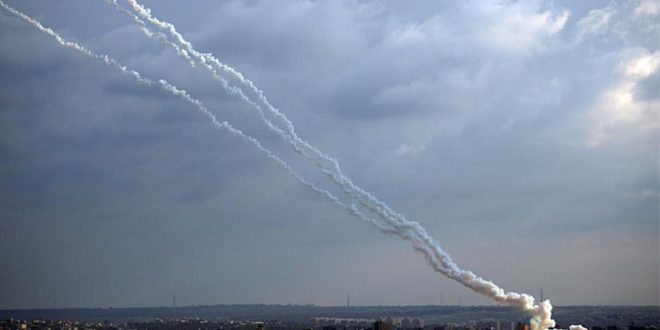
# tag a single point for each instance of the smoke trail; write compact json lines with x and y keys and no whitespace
{"x":340,"y":179}
{"x":163,"y":84}
{"x":197,"y":58}
{"x":405,"y":229}
{"x":366,"y":199}
{"x":301,"y":146}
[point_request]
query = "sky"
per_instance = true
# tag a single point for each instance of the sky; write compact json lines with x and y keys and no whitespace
{"x":523,"y":135}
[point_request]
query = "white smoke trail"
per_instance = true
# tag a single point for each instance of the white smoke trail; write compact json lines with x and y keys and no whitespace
{"x":406,"y":229}
{"x":184,"y":51}
{"x":184,"y":48}
{"x":301,"y":146}
{"x":339,"y":179}
{"x":165,"y":85}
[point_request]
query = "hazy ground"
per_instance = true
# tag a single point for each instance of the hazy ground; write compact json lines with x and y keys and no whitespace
{"x":621,"y":316}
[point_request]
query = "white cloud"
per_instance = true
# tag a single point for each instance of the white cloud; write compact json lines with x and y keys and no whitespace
{"x":648,"y":8}
{"x":525,"y":29}
{"x":408,"y":149}
{"x":515,"y":28}
{"x":409,"y":33}
{"x":520,"y":29}
{"x":595,"y":22}
{"x":618,"y":113}
{"x":642,"y":66}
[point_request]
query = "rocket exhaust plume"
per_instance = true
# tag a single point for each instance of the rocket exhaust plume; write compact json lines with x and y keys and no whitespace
{"x":166,"y":86}
{"x":390,"y":221}
{"x":408,"y":230}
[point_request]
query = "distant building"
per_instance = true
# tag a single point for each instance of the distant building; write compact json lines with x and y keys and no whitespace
{"x":521,"y":326}
{"x":380,"y":325}
{"x":632,"y":326}
{"x":406,"y":323}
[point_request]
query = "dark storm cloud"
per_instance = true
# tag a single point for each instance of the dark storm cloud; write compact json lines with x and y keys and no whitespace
{"x":527,"y":131}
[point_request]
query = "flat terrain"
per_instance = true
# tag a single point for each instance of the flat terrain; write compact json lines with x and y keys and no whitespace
{"x":621,"y":316}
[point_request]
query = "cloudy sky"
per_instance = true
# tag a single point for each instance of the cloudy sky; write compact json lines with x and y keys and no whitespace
{"x":522,"y":134}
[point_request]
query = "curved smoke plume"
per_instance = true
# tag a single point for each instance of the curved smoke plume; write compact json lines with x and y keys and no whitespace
{"x":389,"y":221}
{"x":408,"y":230}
